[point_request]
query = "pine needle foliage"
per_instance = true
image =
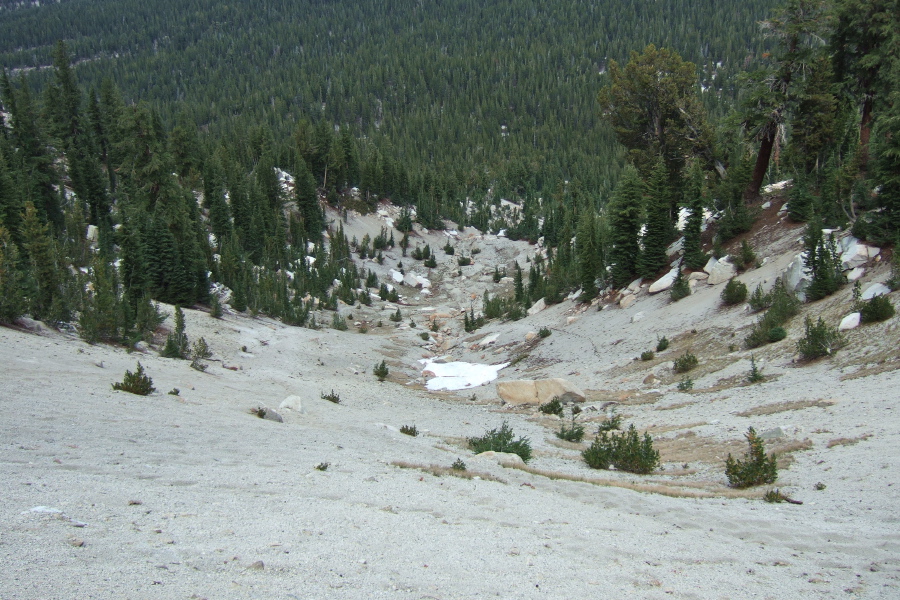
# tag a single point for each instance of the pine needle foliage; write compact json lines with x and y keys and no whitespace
{"x":501,"y":440}
{"x":136,"y":383}
{"x":756,"y":468}
{"x":625,"y":450}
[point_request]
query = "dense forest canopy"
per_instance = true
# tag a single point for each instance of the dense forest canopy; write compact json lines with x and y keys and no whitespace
{"x":151,"y":150}
{"x":500,"y":90}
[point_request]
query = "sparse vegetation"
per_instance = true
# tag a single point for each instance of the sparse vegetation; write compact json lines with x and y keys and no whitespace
{"x":409,"y":430}
{"x":396,"y":317}
{"x":647,"y":355}
{"x":424,"y":335}
{"x":135,"y":383}
{"x":878,"y":308}
{"x":177,"y":344}
{"x":626,"y":451}
{"x":755,"y":375}
{"x":381,"y":371}
{"x":782,"y":305}
{"x":544,"y":332}
{"x":323,"y":466}
{"x":756,"y":468}
{"x":174,"y":392}
{"x":338,"y":322}
{"x":458,"y":465}
{"x":332,"y":397}
{"x":552,"y":407}
{"x":777,"y":496}
{"x":610,"y":424}
{"x":662,"y":344}
{"x":680,"y":288}
{"x":574,"y":432}
{"x":686,"y":384}
{"x":501,"y":440}
{"x":464,"y":261}
{"x":734,"y":292}
{"x":686,"y":362}
{"x":820,"y":340}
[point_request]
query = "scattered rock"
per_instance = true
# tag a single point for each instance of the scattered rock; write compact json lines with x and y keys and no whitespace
{"x":635,"y":285}
{"x":855,"y":253}
{"x":77,"y":542}
{"x":537,"y":307}
{"x":698,"y":276}
{"x":855,"y":274}
{"x":538,"y":391}
{"x":675,"y":247}
{"x":294,"y":403}
{"x":530,"y":336}
{"x":637,"y":317}
{"x":257,"y":566}
{"x":851,"y":321}
{"x":663,"y":283}
{"x":627,"y":301}
{"x":30,"y":324}
{"x":501,"y":458}
{"x":489,"y":340}
{"x":772,"y":434}
{"x":876,"y":289}
{"x":570,"y":320}
{"x":719,"y":271}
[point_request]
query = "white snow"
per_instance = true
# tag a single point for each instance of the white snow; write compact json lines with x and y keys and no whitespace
{"x":459,"y":375}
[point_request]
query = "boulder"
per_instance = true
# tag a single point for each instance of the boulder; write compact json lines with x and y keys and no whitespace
{"x":635,"y":285}
{"x":637,"y":316}
{"x":538,"y":391}
{"x":795,"y":278}
{"x":698,"y":276}
{"x":294,"y":403}
{"x":488,"y":340}
{"x":271,"y":415}
{"x":675,"y":247}
{"x":851,"y":321}
{"x":537,"y":307}
{"x":530,"y":336}
{"x":663,"y":283}
{"x":855,"y":253}
{"x":719,"y":271}
{"x":855,"y":274}
{"x":570,"y":320}
{"x":505,"y":459}
{"x":876,"y":289}
{"x":627,"y":301}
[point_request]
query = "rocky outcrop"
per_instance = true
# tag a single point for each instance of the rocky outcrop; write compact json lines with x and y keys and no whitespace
{"x":876,"y":289}
{"x":538,"y":391}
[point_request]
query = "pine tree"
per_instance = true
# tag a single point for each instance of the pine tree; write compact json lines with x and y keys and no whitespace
{"x":589,"y":256}
{"x":694,"y":257}
{"x":821,"y":260}
{"x":45,"y":268}
{"x":308,"y":203}
{"x":659,"y":228}
{"x":12,"y":302}
{"x":625,"y":222}
{"x":177,"y":343}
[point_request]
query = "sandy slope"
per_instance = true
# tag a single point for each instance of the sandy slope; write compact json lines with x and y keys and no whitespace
{"x":183,"y":496}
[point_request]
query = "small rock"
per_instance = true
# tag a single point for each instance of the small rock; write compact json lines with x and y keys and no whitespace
{"x":570,"y":320}
{"x":76,"y":542}
{"x":294,"y":403}
{"x":856,"y":273}
{"x":537,"y":307}
{"x":851,"y":321}
{"x":627,"y":301}
{"x":637,"y":317}
{"x":530,"y":336}
{"x":501,"y":458}
{"x":876,"y":289}
{"x":257,"y":566}
{"x":663,"y":283}
{"x":772,"y":434}
{"x":271,"y":415}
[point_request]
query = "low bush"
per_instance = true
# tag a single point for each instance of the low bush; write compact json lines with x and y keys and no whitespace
{"x":756,"y":468}
{"x":876,"y":309}
{"x":552,"y":407}
{"x":820,"y":340}
{"x":755,"y":375}
{"x":464,"y":261}
{"x":543,"y":332}
{"x":458,"y":465}
{"x":332,"y":397}
{"x":626,"y":451}
{"x":782,"y":305}
{"x":501,"y":440}
{"x":685,"y":385}
{"x":759,"y":300}
{"x":424,"y":335}
{"x":381,"y":371}
{"x":680,"y":288}
{"x":662,"y":344}
{"x":396,"y":317}
{"x":409,"y":430}
{"x":734,"y":292}
{"x":338,"y":322}
{"x":574,"y":432}
{"x":135,"y":383}
{"x":611,"y":424}
{"x":686,"y":362}
{"x":647,"y":355}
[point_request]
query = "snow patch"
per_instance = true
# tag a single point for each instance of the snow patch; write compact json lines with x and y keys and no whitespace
{"x":458,"y":375}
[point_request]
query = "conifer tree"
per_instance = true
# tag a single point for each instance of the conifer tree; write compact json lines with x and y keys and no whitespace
{"x":658,"y":231}
{"x":589,"y":255}
{"x":308,"y":203}
{"x":694,"y":257}
{"x":821,"y":260}
{"x":12,"y":302}
{"x":625,"y":223}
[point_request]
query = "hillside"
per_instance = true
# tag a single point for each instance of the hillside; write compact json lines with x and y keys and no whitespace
{"x":188,"y":494}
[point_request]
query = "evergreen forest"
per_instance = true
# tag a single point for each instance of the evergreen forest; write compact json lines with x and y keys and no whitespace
{"x":145,"y":147}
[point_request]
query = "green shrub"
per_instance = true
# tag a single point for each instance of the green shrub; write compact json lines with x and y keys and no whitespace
{"x":449,"y":249}
{"x":332,"y":397}
{"x":776,"y":334}
{"x":396,"y":317}
{"x":759,"y":300}
{"x":177,"y":344}
{"x":544,"y":332}
{"x":680,"y":288}
{"x":381,"y":371}
{"x":734,"y":292}
{"x":755,"y":375}
{"x":200,"y":350}
{"x":323,"y":466}
{"x":756,"y":468}
{"x":501,"y":440}
{"x":574,"y":432}
{"x":647,"y":355}
{"x":338,"y":322}
{"x":782,"y":305}
{"x":552,"y":407}
{"x":685,"y":363}
{"x":876,"y":309}
{"x":686,"y":384}
{"x":820,"y":340}
{"x":626,"y":451}
{"x":662,"y":344}
{"x":464,"y":261}
{"x":424,"y":335}
{"x":430,"y":262}
{"x":611,"y":424}
{"x":409,"y":430}
{"x":777,"y":496}
{"x":136,"y":383}
{"x":458,"y":465}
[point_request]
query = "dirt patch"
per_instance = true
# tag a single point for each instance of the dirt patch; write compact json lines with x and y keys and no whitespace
{"x":778,"y":407}
{"x":847,"y":441}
